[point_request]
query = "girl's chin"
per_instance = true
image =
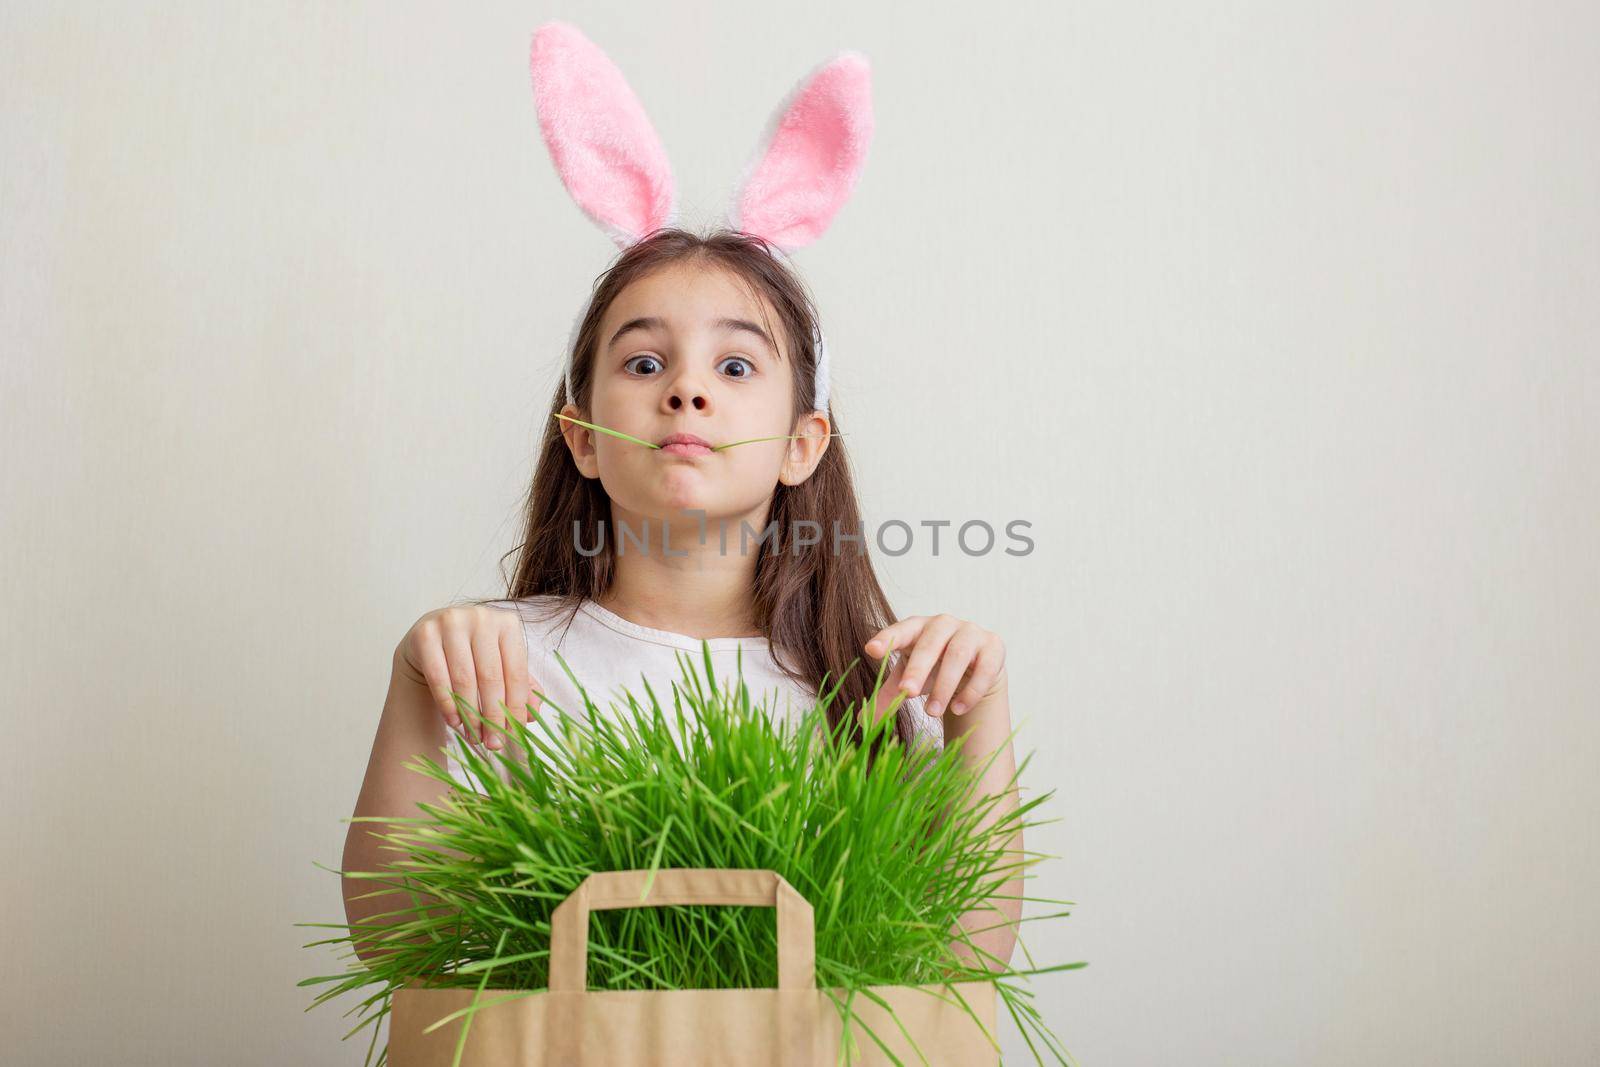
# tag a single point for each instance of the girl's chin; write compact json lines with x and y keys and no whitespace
{"x":669,"y":502}
{"x":684,"y":487}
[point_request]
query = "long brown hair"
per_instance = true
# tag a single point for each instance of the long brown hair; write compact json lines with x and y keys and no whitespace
{"x":817,"y":607}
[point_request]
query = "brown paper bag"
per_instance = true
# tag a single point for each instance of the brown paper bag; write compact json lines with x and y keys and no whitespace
{"x":794,"y":1025}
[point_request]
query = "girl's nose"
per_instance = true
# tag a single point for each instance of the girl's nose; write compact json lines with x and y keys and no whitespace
{"x":683,"y":396}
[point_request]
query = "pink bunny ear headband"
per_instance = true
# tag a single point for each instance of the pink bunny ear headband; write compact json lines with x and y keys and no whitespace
{"x":608,"y":155}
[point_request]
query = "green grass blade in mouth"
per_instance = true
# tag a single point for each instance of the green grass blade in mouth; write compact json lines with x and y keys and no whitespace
{"x":779,"y":437}
{"x":607,"y":429}
{"x":714,"y":448}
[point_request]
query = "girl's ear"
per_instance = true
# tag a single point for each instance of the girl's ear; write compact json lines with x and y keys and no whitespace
{"x":604,"y":146}
{"x":808,"y":159}
{"x":580,"y":443}
{"x":804,"y":453}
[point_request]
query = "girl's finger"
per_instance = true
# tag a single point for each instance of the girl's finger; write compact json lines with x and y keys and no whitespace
{"x":926,"y":652}
{"x":463,"y":678}
{"x":491,"y":680}
{"x":898,"y":634}
{"x":436,"y":672}
{"x":991,"y":658}
{"x":514,"y":653}
{"x":957,"y":660}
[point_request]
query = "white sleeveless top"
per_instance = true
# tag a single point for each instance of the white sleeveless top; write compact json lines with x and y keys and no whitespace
{"x":607,"y":652}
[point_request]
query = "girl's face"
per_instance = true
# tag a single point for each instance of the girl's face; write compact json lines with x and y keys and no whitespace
{"x":688,"y":349}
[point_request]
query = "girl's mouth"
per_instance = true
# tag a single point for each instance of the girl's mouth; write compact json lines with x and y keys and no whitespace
{"x":686,"y":444}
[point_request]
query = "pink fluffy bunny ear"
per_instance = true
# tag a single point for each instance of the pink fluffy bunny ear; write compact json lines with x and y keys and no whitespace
{"x":806,"y":165}
{"x":605,"y":148}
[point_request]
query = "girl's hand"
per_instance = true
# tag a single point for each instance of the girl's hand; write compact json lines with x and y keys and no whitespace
{"x":476,"y":651}
{"x":970,"y":661}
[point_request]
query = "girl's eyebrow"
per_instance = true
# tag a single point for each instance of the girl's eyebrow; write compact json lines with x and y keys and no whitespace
{"x":652,"y":322}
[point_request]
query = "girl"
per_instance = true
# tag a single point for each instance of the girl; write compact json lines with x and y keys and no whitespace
{"x":632,"y":555}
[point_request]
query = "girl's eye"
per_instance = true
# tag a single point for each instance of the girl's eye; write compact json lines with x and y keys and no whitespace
{"x":646,"y":360}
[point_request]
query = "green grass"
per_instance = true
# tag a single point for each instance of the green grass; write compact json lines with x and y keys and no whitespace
{"x":884,"y":841}
{"x":714,"y":448}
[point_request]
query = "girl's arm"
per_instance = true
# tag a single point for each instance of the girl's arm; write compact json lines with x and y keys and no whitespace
{"x":410,"y":726}
{"x":960,"y":667}
{"x":987,"y":725}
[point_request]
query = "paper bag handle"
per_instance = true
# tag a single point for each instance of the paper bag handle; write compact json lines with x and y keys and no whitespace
{"x":609,"y":890}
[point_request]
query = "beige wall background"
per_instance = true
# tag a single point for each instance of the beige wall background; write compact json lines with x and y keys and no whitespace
{"x":1276,"y":321}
